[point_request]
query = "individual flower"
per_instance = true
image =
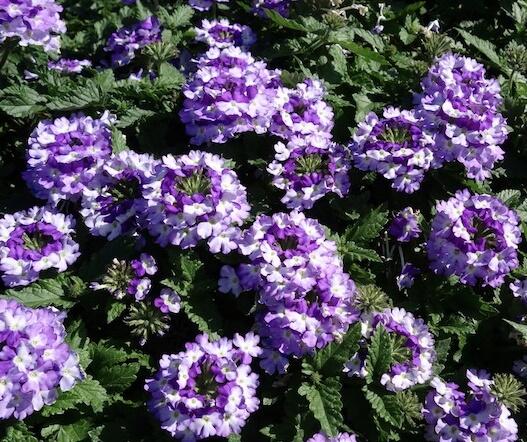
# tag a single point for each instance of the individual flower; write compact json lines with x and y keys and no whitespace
{"x":405,"y":225}
{"x":307,"y":168}
{"x":396,"y":146}
{"x":407,"y":277}
{"x":125,"y":42}
{"x":64,"y":155}
{"x":462,"y":106}
{"x":413,"y":349}
{"x":33,"y":241}
{"x":207,"y":390}
{"x":452,"y":415}
{"x":286,"y":253}
{"x":196,"y":197}
{"x":474,"y":237}
{"x":222,"y":34}
{"x":296,"y":323}
{"x":280,"y":6}
{"x":129,"y":278}
{"x":204,"y":5}
{"x":113,"y":203}
{"x":32,"y":22}
{"x":519,"y":289}
{"x":230,"y":93}
{"x":302,"y":111}
{"x":35,"y":361}
{"x":341,"y":437}
{"x":68,"y":65}
{"x":168,"y":301}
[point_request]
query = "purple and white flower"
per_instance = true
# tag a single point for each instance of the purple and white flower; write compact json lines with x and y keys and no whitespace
{"x":341,"y":437}
{"x":196,"y":197}
{"x":204,"y":5}
{"x":207,"y":390}
{"x":405,"y":225}
{"x":474,"y":237}
{"x":69,"y":65}
{"x":35,"y":361}
{"x":280,"y":6}
{"x":396,"y":146}
{"x":64,"y":155}
{"x":222,"y":34}
{"x":33,"y":241}
{"x":168,"y":301}
{"x":519,"y":289}
{"x":407,"y":277}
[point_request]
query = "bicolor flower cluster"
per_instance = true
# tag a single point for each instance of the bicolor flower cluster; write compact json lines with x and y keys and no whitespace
{"x":196,"y":197}
{"x":132,"y":278}
{"x":307,"y":168}
{"x":413,"y":349}
{"x":222,"y":34}
{"x":113,"y":203}
{"x":125,"y":42}
{"x":452,"y":415}
{"x":33,"y":241}
{"x":230,"y":93}
{"x":69,"y":65}
{"x":474,"y":237}
{"x":405,"y":225}
{"x":35,"y":362}
{"x":64,"y":155}
{"x":32,"y":22}
{"x":461,"y":106}
{"x":306,"y":300}
{"x":397,"y":146}
{"x":280,"y":6}
{"x":341,"y":437}
{"x":204,"y":5}
{"x":207,"y":390}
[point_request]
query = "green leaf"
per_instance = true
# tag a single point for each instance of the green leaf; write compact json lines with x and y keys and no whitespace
{"x":332,"y":358}
{"x":41,"y":293}
{"x":361,"y":51}
{"x":510,"y":197}
{"x":118,"y":141}
{"x":340,"y":63}
{"x":521,"y":328}
{"x":19,"y":433}
{"x":325,"y":403}
{"x":133,"y":115}
{"x":283,"y":22}
{"x":21,"y":101}
{"x":88,"y":392}
{"x":114,"y":309}
{"x":368,"y":227}
{"x":79,"y":98}
{"x":119,"y":377}
{"x":385,"y":406}
{"x":75,"y":432}
{"x":379,"y":355}
{"x":485,"y":47}
{"x":353,"y":252}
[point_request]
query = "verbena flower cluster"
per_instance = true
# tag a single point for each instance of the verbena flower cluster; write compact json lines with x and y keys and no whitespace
{"x":397,"y":146}
{"x":341,"y":437}
{"x":455,"y":416}
{"x":405,"y":225}
{"x":33,"y":241}
{"x":207,"y":390}
{"x":222,"y":34}
{"x":204,"y":5}
{"x":64,"y":155}
{"x":113,"y":203}
{"x":230,"y":93}
{"x":129,"y":278}
{"x":35,"y":362}
{"x":196,"y":197}
{"x":69,"y":65}
{"x":413,"y":345}
{"x":32,"y":22}
{"x":474,"y":237}
{"x":461,"y":106}
{"x":125,"y":42}
{"x":307,"y":168}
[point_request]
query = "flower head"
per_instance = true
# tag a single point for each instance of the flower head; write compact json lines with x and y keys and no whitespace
{"x":405,"y":225}
{"x":69,"y":65}
{"x":222,"y":34}
{"x":341,"y":437}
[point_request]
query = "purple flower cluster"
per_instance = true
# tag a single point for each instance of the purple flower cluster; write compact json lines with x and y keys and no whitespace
{"x":416,"y":344}
{"x":461,"y":106}
{"x":125,"y":42}
{"x":307,"y":168}
{"x":221,"y":34}
{"x":454,"y":416}
{"x":302,"y":111}
{"x":196,"y":197}
{"x":33,"y":241}
{"x":474,"y":237}
{"x":35,"y":362}
{"x":341,"y":437}
{"x":64,"y":155}
{"x":204,"y":5}
{"x":230,"y":93}
{"x":396,"y":146}
{"x":207,"y":390}
{"x":69,"y":65}
{"x":280,"y":6}
{"x":113,"y":203}
{"x":519,"y":289}
{"x":405,"y":225}
{"x":168,"y":301}
{"x":129,"y":278}
{"x":32,"y":22}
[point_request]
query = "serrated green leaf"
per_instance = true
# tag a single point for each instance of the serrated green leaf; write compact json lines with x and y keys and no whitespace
{"x":521,"y":328}
{"x":19,"y":433}
{"x":339,"y":61}
{"x":510,"y":197}
{"x":114,"y":309}
{"x":21,"y":101}
{"x":283,"y":22}
{"x":41,"y":293}
{"x":119,"y":377}
{"x":80,"y":98}
{"x":353,"y":252}
{"x":332,"y":358}
{"x":379,"y":355}
{"x":368,"y":226}
{"x":361,"y":51}
{"x":75,"y":432}
{"x":118,"y":141}
{"x":133,"y":116}
{"x":385,"y":407}
{"x":485,"y":47}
